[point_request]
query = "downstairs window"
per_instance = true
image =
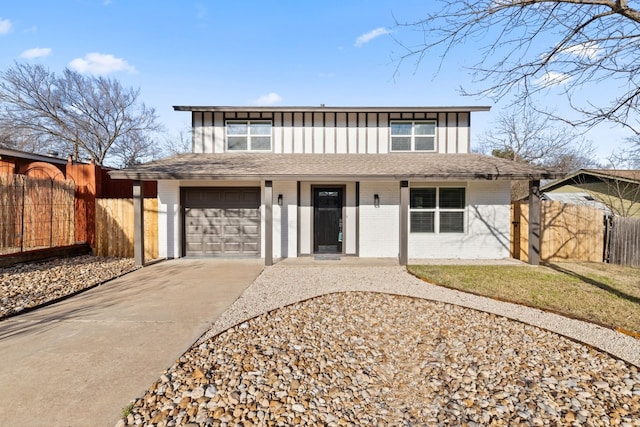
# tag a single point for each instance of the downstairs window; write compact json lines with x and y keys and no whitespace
{"x":437,"y":210}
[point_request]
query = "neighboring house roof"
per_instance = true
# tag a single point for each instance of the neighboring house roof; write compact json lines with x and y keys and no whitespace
{"x":629,"y":175}
{"x":323,"y":108}
{"x":334,"y":167}
{"x":576,"y":198}
{"x":10,"y":152}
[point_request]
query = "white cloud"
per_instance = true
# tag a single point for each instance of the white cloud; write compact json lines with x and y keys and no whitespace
{"x":367,"y":37}
{"x":37,"y":52}
{"x":590,"y":50}
{"x":100,"y":64}
{"x":271,"y":98}
{"x":5,"y":26}
{"x":552,"y":78}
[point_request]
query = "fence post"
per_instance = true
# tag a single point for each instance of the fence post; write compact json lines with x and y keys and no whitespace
{"x":404,"y":222}
{"x":138,"y":223}
{"x":24,"y":182}
{"x":534,"y":222}
{"x":51,"y":216}
{"x":268,"y":218}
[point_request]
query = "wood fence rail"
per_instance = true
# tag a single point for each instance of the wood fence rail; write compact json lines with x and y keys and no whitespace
{"x":114,"y":228}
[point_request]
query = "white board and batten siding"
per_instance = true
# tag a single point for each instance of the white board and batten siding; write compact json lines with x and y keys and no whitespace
{"x":330,"y":132}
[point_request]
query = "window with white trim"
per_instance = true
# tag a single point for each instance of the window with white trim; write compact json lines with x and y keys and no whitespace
{"x":437,"y":210}
{"x":417,"y":135}
{"x":248,"y":135}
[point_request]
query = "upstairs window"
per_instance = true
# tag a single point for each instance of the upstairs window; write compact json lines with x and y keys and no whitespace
{"x":413,"y":135}
{"x":437,"y":210}
{"x":248,"y":135}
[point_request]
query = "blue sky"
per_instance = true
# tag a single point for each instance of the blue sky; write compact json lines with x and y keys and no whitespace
{"x":245,"y":53}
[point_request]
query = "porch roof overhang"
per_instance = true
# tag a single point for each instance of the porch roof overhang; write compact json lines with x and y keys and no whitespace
{"x":333,"y":168}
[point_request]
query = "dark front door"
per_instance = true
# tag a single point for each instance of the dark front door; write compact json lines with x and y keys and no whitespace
{"x":327,"y":220}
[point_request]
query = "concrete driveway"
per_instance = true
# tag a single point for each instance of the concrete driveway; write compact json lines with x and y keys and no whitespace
{"x":78,"y":362}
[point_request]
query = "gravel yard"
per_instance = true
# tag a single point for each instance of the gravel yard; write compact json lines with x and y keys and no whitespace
{"x":347,"y":352}
{"x":32,"y":284}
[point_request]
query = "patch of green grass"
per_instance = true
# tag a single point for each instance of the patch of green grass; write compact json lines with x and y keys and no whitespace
{"x":600,"y":293}
{"x":127,"y":410}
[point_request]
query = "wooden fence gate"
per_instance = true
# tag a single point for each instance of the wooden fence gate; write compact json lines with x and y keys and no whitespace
{"x":35,"y":213}
{"x":623,"y":242}
{"x":114,"y":228}
{"x":567,"y":232}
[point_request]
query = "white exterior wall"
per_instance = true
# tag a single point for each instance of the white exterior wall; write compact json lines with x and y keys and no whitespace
{"x":350,"y":219}
{"x":285,"y":219}
{"x":331,"y":132}
{"x":306,"y":217}
{"x":380,"y":227}
{"x":488,"y":225}
{"x":168,"y":219}
{"x":487,"y":221}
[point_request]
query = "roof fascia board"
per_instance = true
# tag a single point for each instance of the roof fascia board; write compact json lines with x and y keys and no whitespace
{"x":442,"y":109}
{"x":153,"y":176}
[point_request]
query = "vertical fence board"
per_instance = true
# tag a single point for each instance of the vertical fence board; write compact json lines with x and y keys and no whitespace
{"x":36,"y":213}
{"x":114,"y":228}
{"x":624,"y":244}
{"x":568,"y":232}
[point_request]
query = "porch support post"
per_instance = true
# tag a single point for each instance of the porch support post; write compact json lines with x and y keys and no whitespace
{"x":534,"y":222}
{"x":404,"y":222}
{"x":268,"y":223}
{"x":138,"y":223}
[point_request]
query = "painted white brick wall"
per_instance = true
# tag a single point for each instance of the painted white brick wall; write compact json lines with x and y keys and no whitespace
{"x":305,"y":218}
{"x":488,"y":227}
{"x":168,"y":219}
{"x":285,"y":217}
{"x":379,"y":227}
{"x":349,"y":229}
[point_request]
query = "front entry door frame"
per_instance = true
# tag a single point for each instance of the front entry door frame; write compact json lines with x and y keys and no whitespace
{"x":320,"y":247}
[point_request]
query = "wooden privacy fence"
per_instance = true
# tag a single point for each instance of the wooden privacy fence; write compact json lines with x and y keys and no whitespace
{"x":114,"y":228}
{"x":567,"y":232}
{"x":624,"y":241}
{"x":35,"y":213}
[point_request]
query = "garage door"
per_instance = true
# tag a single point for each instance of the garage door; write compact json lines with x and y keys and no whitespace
{"x":222,"y":221}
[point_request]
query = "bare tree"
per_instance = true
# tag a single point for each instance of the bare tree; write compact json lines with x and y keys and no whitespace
{"x":18,"y":139}
{"x":526,"y":135}
{"x":78,"y":114}
{"x":178,"y":144}
{"x":532,"y":45}
{"x":134,"y":148}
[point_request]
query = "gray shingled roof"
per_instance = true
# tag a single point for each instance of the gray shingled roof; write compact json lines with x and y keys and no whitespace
{"x":333,"y":167}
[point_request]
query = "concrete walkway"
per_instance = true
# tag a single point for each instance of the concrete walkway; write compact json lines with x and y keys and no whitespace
{"x":76,"y":363}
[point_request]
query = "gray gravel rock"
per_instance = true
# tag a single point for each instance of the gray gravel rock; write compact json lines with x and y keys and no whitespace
{"x":32,"y":284}
{"x":365,"y":358}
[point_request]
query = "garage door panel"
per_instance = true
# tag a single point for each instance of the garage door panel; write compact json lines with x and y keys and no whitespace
{"x":232,"y":230}
{"x":222,"y":221}
{"x":251,"y":247}
{"x":213,"y":248}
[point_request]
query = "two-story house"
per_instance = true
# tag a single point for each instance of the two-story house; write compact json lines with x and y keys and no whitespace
{"x":279,"y":182}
